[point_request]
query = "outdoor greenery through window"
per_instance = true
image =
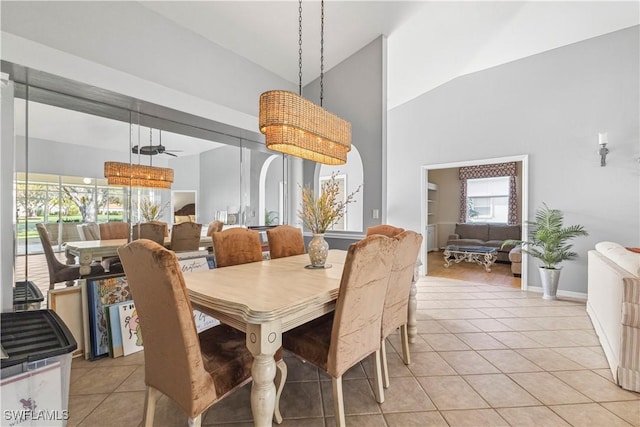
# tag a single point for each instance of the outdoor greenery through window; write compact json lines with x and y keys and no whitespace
{"x":488,"y":200}
{"x":57,"y":200}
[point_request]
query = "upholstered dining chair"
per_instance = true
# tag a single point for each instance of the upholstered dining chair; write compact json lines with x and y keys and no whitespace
{"x":114,"y":230}
{"x":395,"y":313}
{"x":194,"y":370}
{"x":337,"y":341}
{"x":148,"y":230}
{"x":385,"y":230}
{"x":285,"y":240}
{"x":89,"y":231}
{"x":59,"y":272}
{"x":214,"y":227}
{"x":236,"y":246}
{"x":185,"y":236}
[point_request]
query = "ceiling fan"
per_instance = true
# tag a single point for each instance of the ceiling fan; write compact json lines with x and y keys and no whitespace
{"x":152,"y":150}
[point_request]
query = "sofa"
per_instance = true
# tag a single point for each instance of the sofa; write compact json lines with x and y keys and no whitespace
{"x":613,"y":304}
{"x":491,"y":235}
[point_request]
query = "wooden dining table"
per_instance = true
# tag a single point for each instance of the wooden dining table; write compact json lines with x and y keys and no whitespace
{"x":88,"y":251}
{"x":265,"y":299}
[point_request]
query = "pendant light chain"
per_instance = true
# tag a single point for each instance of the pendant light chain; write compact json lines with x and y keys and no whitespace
{"x":300,"y":47}
{"x":321,"y":51}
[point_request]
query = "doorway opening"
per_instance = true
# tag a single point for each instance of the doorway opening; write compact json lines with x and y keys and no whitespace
{"x":441,"y":202}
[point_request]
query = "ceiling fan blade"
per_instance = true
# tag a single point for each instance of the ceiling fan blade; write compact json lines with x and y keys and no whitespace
{"x":170,"y":154}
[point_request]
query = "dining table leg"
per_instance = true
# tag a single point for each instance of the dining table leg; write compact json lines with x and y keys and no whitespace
{"x":412,"y":322}
{"x":263,"y":340}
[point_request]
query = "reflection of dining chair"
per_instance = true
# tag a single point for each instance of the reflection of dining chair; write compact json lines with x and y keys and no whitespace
{"x":395,"y":313}
{"x":59,"y":272}
{"x":110,"y":231}
{"x":236,"y":246}
{"x":337,"y":341}
{"x":285,"y":240}
{"x":385,"y":230}
{"x":152,"y":231}
{"x":164,"y":224}
{"x":89,"y":231}
{"x":214,"y":227}
{"x":114,"y":230}
{"x":194,"y":370}
{"x":185,"y":236}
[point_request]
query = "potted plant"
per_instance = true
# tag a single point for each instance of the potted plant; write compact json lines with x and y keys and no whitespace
{"x":319,"y":214}
{"x":549,"y":242}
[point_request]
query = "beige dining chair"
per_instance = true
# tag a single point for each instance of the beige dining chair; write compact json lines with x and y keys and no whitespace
{"x":395,"y":313}
{"x":337,"y":341}
{"x":89,"y":231}
{"x":59,"y":272}
{"x":385,"y":230}
{"x":236,"y":246}
{"x":214,"y":227}
{"x":194,"y":370}
{"x":285,"y":240}
{"x":186,"y":236}
{"x":114,"y":230}
{"x":152,"y":231}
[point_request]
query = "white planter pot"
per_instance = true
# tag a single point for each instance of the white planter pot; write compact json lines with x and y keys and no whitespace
{"x":550,"y":278}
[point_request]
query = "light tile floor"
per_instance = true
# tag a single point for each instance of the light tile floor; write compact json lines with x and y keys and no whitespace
{"x":485,"y":356}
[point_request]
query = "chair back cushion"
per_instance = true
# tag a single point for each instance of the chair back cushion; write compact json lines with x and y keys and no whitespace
{"x":285,"y":240}
{"x":151,"y":231}
{"x":385,"y":230}
{"x":185,"y":236}
{"x":114,"y":230}
{"x":397,"y":297}
{"x":172,"y":355}
{"x":357,"y":319}
{"x":236,"y":246}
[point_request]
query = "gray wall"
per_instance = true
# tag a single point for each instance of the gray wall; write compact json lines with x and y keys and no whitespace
{"x":550,"y":106}
{"x":219,"y":181}
{"x":355,"y":90}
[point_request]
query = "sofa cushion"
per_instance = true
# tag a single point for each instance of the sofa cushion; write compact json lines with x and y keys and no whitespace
{"x":473,"y":231}
{"x":504,"y":232}
{"x":617,"y":253}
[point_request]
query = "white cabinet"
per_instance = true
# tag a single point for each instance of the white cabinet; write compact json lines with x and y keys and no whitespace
{"x":432,"y":239}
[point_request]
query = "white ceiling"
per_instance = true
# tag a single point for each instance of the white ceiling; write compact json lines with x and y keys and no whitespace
{"x":429,"y":43}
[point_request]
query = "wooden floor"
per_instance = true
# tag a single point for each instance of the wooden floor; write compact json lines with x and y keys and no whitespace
{"x":500,"y":274}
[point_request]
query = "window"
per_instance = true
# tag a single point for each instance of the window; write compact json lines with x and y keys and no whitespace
{"x":488,"y":199}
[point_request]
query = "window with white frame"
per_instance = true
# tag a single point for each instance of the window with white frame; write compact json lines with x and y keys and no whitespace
{"x":488,"y":200}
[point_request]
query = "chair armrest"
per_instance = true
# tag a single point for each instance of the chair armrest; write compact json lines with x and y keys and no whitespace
{"x":453,"y":237}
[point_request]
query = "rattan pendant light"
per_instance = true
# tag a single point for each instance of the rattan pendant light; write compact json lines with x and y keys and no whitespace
{"x":298,"y":127}
{"x":127,"y":174}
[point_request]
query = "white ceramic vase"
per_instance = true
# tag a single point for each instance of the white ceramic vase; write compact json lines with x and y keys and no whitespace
{"x":318,"y":250}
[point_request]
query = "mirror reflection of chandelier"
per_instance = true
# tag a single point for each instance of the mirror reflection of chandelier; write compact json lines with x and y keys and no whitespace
{"x":135,"y":175}
{"x":296,"y":126}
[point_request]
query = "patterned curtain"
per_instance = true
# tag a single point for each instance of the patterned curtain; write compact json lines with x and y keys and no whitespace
{"x":490,"y":171}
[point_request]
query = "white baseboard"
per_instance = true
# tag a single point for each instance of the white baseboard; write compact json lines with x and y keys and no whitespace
{"x":569,"y":294}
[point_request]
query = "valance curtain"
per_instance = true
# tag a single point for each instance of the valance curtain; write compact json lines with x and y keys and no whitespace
{"x":490,"y":171}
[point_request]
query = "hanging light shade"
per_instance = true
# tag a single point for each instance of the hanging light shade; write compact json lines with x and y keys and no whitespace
{"x":296,"y":126}
{"x":126,"y":174}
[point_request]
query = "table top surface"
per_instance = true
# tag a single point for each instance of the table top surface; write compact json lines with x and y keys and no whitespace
{"x":268,"y":290}
{"x":477,"y":249}
{"x":116,"y":243}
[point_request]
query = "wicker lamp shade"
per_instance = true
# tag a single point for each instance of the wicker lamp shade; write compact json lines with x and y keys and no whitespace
{"x":125,"y":174}
{"x":296,"y":126}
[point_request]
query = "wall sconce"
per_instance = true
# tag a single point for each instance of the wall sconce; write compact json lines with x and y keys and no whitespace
{"x":603,"y":140}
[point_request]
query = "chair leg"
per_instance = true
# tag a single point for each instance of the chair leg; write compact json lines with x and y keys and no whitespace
{"x":152,"y":396}
{"x":338,"y":402}
{"x":195,"y":422}
{"x":385,"y":368}
{"x":405,"y":344}
{"x":378,"y":389}
{"x":280,"y":379}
